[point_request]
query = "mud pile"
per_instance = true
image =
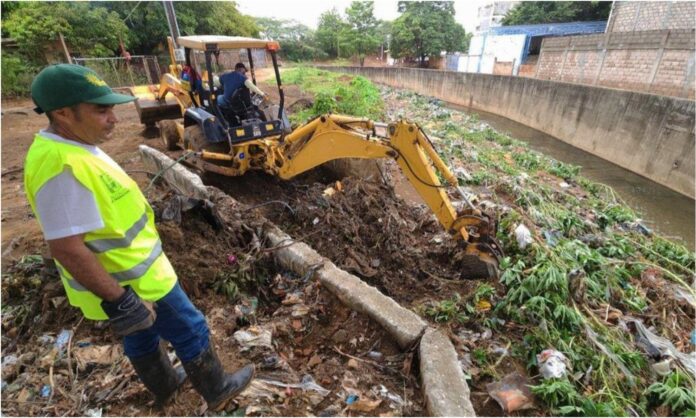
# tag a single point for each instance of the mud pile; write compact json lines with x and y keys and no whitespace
{"x":364,"y":228}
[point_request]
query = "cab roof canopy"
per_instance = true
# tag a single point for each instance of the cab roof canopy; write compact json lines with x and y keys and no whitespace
{"x":199,"y":42}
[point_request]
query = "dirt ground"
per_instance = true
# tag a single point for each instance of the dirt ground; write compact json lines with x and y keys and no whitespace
{"x":239,"y":289}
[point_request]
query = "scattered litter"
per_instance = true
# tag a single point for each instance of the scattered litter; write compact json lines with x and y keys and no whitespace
{"x":396,"y":400}
{"x":564,"y":185}
{"x":512,"y":393}
{"x":246,"y":307}
{"x":96,"y":354}
{"x":45,"y":391}
{"x":364,"y":405}
{"x":253,"y":337}
{"x":46,"y":339}
{"x":664,"y":346}
{"x":693,"y":337}
{"x":231,"y":259}
{"x":307,"y":384}
{"x":552,"y":237}
{"x":298,"y":311}
{"x":329,"y":191}
{"x":351,"y":399}
{"x":552,"y":364}
{"x":375,"y":355}
{"x":96,"y":412}
{"x":483,"y":305}
{"x":9,"y":360}
{"x":663,"y":368}
{"x":315,"y":221}
{"x":62,"y":339}
{"x":523,"y":236}
{"x":593,"y":337}
{"x":461,"y":172}
{"x":501,"y":351}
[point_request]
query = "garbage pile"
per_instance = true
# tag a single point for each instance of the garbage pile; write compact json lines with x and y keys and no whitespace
{"x":596,"y":307}
{"x":583,"y":280}
{"x":314,"y":356}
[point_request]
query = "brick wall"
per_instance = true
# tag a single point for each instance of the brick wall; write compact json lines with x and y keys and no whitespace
{"x":631,"y":16}
{"x":502,"y":68}
{"x":652,"y":61}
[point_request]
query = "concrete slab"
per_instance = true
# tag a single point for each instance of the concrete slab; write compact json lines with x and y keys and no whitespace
{"x":444,"y":386}
{"x":174,"y":174}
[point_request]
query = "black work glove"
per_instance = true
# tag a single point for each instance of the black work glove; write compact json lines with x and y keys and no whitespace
{"x":129,"y":313}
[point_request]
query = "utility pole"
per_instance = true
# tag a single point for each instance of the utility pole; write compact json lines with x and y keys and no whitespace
{"x":171,"y":21}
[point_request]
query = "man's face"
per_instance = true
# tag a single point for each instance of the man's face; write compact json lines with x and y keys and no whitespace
{"x":89,"y":123}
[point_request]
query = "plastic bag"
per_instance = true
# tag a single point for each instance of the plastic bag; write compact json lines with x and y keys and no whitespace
{"x":523,"y":235}
{"x":552,"y":363}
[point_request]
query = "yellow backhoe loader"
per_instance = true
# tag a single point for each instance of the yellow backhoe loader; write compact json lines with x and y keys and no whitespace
{"x":258,"y":137}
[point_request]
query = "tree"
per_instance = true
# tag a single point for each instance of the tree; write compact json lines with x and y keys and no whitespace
{"x":360,"y":36}
{"x":531,"y":12}
{"x":89,"y":28}
{"x":426,"y":28}
{"x":297,"y":41}
{"x":329,"y":30}
{"x":148,"y":24}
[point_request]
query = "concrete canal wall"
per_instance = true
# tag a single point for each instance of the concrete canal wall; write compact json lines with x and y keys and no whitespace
{"x":648,"y":134}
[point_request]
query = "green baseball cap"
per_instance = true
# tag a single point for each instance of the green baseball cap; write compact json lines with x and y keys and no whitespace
{"x":62,"y":85}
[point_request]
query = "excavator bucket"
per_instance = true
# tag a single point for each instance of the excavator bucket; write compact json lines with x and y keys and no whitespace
{"x":482,"y":251}
{"x":152,"y":110}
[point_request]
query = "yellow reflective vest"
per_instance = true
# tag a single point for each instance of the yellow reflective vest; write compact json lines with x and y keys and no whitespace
{"x":128,"y":246}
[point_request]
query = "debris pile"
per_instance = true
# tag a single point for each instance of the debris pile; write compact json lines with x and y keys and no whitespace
{"x":313,"y":355}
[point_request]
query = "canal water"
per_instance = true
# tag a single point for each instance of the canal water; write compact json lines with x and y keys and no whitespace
{"x":667,"y":212}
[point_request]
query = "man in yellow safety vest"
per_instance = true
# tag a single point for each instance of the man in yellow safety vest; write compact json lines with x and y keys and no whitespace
{"x":101,"y":233}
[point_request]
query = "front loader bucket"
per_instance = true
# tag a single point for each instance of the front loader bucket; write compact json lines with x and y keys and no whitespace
{"x":152,"y":110}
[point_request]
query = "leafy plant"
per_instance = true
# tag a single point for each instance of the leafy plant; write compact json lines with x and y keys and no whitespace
{"x":674,"y":392}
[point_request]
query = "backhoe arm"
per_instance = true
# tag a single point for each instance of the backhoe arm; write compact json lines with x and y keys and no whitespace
{"x":332,"y":137}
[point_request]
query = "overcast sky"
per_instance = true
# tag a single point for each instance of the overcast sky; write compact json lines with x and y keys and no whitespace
{"x":308,"y":11}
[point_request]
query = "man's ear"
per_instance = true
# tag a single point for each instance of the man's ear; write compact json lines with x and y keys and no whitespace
{"x":61,"y":114}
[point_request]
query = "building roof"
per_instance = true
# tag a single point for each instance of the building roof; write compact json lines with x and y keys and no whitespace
{"x":551,"y":29}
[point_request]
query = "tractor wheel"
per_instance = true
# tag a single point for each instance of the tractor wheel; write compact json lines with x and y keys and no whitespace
{"x":194,"y":138}
{"x":169,"y":134}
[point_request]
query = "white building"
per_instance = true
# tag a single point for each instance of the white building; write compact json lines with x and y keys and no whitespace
{"x":491,"y":14}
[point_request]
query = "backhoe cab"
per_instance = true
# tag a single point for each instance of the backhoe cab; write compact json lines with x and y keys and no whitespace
{"x":261,"y":139}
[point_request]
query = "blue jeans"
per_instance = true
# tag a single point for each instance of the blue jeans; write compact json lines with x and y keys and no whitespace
{"x":178,"y":322}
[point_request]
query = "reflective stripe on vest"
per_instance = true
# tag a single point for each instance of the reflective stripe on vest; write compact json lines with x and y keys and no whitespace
{"x":103,"y":245}
{"x":128,"y":246}
{"x":132,"y":273}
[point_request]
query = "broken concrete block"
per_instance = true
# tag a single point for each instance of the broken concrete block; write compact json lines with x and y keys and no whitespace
{"x":173,"y":173}
{"x":405,"y":326}
{"x":444,"y":386}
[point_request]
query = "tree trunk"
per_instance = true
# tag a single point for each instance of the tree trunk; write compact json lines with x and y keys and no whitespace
{"x":362,"y":61}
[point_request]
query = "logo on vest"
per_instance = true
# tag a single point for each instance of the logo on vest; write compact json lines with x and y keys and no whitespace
{"x":116,"y":190}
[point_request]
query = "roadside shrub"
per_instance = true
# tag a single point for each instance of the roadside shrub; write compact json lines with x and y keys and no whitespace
{"x":16,"y":76}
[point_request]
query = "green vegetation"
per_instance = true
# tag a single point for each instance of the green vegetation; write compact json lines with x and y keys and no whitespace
{"x":587,"y":260}
{"x":676,"y":393}
{"x":531,"y":12}
{"x":17,"y":75}
{"x":426,"y":28}
{"x":298,"y":42}
{"x":335,"y":93}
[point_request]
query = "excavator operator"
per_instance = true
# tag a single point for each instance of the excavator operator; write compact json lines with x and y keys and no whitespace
{"x":237,"y":88}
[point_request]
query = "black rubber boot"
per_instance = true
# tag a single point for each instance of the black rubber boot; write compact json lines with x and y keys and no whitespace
{"x":158,"y":375}
{"x":210,"y":380}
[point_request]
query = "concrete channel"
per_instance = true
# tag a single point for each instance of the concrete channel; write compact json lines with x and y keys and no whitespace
{"x":442,"y":379}
{"x":647,"y":134}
